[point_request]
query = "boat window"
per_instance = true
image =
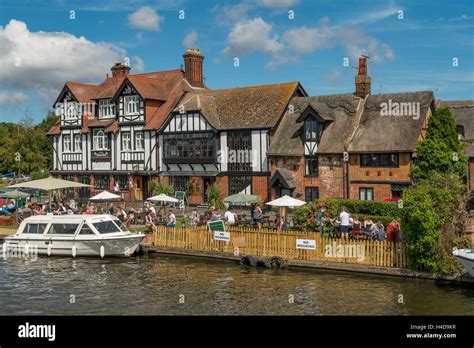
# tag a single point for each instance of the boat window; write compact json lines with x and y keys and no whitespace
{"x":35,"y":228}
{"x":106,"y":227}
{"x":86,"y":230}
{"x":121,"y":225}
{"x":63,"y":228}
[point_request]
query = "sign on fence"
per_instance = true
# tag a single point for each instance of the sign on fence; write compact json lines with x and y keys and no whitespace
{"x":221,"y":235}
{"x":217,"y":225}
{"x":308,"y":244}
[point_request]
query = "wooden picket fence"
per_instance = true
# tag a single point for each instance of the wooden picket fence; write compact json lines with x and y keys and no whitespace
{"x":248,"y":241}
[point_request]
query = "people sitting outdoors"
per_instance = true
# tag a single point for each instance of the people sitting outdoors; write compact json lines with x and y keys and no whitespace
{"x":149,"y":221}
{"x":230,"y":217}
{"x":171,"y":219}
{"x":281,"y":223}
{"x":130,"y":216}
{"x":111,"y":209}
{"x":11,"y":207}
{"x":215,"y":215}
{"x":194,"y":218}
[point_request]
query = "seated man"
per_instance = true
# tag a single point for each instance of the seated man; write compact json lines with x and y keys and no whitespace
{"x":171,"y":220}
{"x":11,"y":207}
{"x":230,"y":217}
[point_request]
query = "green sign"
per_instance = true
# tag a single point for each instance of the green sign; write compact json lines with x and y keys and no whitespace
{"x":180,"y":195}
{"x":216,"y":225}
{"x":37,"y":193}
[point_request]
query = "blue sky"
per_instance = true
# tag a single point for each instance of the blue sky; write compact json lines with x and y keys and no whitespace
{"x":41,"y":46}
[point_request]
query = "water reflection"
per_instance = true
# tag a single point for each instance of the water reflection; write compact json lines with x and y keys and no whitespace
{"x":177,"y":285}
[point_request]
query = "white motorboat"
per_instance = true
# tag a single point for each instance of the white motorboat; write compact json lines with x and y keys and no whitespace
{"x":73,"y":235}
{"x":466,"y":258}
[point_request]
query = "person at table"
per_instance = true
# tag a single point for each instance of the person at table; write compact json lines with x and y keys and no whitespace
{"x":194,"y":218}
{"x":90,"y":209}
{"x":230,"y":217}
{"x":150,"y":221}
{"x":130,"y":216}
{"x":281,"y":223}
{"x":215,"y":215}
{"x":111,"y":209}
{"x":171,"y":219}
{"x":11,"y":207}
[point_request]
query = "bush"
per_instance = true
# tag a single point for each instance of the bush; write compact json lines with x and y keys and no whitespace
{"x":430,"y":210}
{"x":377,"y":211}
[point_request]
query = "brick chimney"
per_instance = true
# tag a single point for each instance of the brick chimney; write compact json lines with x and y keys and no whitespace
{"x":193,"y":60}
{"x":362,"y":81}
{"x":120,"y":69}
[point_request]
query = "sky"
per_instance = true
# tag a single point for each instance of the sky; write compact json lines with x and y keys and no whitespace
{"x":412,"y":45}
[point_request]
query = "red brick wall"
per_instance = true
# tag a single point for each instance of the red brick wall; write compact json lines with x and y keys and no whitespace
{"x":260,"y":187}
{"x":223,"y":183}
{"x":331,"y":176}
{"x":401,"y":173}
{"x":381,"y":191}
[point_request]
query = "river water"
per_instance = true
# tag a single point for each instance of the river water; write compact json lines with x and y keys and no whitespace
{"x":162,"y":285}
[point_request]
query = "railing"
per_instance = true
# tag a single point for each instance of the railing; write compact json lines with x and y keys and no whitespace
{"x":132,"y":157}
{"x":247,"y":241}
{"x":72,"y":157}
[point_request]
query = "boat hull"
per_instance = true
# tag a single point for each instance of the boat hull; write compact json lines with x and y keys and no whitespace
{"x":118,"y":246}
{"x":466,"y":258}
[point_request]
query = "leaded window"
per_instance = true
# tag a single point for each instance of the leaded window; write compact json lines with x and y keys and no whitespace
{"x":126,"y":141}
{"x":311,"y":166}
{"x":131,"y":104}
{"x":101,"y":182}
{"x":100,"y":140}
{"x":123,"y":181}
{"x":139,"y":141}
{"x":106,"y":108}
{"x":379,"y":160}
{"x":239,"y":144}
{"x":67,"y":143}
{"x":187,"y":146}
{"x":240,"y":183}
{"x":366,"y":193}
{"x":180,"y":183}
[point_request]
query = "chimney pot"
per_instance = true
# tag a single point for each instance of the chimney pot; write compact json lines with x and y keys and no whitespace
{"x":362,"y":81}
{"x":193,"y":63}
{"x":120,"y":69}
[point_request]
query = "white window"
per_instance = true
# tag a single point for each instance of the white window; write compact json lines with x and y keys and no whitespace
{"x":67,"y":143}
{"x":100,"y":140}
{"x":77,"y":143}
{"x":71,"y":110}
{"x":131,"y":104}
{"x":106,"y":108}
{"x":126,"y":141}
{"x":139,"y":141}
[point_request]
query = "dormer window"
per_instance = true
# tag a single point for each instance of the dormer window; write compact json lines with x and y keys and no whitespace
{"x":71,"y":111}
{"x":106,"y":108}
{"x":131,"y":104}
{"x":313,"y":128}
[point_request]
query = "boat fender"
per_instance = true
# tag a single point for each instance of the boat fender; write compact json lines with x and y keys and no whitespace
{"x":49,"y":249}
{"x":102,"y":251}
{"x":27,"y":249}
{"x":73,"y":250}
{"x":277,"y":262}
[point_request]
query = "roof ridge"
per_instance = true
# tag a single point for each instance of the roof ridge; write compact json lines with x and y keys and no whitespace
{"x":82,"y":84}
{"x":155,"y":72}
{"x":265,"y":85}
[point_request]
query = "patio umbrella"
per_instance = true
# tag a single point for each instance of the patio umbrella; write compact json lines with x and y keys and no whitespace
{"x":105,"y":196}
{"x":14,"y":194}
{"x":163,"y":198}
{"x":286,"y":202}
{"x":49,"y":184}
{"x":241,"y":199}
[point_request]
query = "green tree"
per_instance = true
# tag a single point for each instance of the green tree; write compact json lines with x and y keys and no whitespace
{"x":431,"y":215}
{"x":162,"y":188}
{"x":441,"y":150}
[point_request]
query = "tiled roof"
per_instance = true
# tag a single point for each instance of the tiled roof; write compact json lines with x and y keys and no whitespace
{"x":165,"y":86}
{"x":240,"y":108}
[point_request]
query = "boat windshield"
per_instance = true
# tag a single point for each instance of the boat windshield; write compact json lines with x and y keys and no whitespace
{"x":107,"y":226}
{"x":121,"y":225}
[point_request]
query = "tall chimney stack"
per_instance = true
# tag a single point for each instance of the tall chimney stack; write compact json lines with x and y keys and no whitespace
{"x":193,"y":60}
{"x":120,"y":69}
{"x":362,"y":81}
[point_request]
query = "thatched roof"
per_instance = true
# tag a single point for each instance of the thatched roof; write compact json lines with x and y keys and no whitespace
{"x":373,"y":133}
{"x":463,"y":113}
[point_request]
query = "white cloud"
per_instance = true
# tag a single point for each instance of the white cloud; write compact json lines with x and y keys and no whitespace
{"x":190,"y":39}
{"x":230,"y":14}
{"x":48,"y":59}
{"x":251,"y":36}
{"x":12,"y":98}
{"x":137,"y":66}
{"x":145,"y":18}
{"x":277,"y":3}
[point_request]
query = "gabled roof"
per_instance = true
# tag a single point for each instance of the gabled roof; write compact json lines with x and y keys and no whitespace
{"x":374,"y":132}
{"x":164,"y":86}
{"x":463,"y":114}
{"x":244,"y":107}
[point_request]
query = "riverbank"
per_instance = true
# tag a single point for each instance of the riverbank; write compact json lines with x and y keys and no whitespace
{"x":332,"y":266}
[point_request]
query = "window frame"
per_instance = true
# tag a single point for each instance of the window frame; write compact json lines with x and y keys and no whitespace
{"x":77,"y":144}
{"x":67,"y":140}
{"x":139,"y":141}
{"x":124,"y":139}
{"x":129,"y":100}
{"x":366,"y":190}
{"x":106,"y":108}
{"x":312,"y":189}
{"x":96,"y":138}
{"x":375,"y":160}
{"x":315,"y":172}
